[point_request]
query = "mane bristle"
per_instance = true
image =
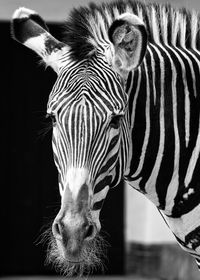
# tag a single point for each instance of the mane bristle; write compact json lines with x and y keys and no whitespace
{"x":87,"y":27}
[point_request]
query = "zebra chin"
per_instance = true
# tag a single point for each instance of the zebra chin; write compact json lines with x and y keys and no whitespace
{"x":76,"y":258}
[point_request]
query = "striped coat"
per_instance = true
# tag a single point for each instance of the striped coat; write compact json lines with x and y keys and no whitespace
{"x":125,"y":106}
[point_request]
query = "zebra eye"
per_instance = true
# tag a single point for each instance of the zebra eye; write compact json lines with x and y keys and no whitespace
{"x":53,"y":118}
{"x":115,"y":121}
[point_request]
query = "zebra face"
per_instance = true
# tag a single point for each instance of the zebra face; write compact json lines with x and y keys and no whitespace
{"x":89,"y":119}
{"x":88,"y":106}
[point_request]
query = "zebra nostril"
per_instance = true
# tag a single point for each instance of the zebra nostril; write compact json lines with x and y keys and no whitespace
{"x":57,"y":230}
{"x":90,"y":232}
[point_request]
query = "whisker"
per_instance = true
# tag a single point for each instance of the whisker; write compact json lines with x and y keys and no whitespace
{"x":91,"y":257}
{"x":45,"y":130}
{"x":44,"y":237}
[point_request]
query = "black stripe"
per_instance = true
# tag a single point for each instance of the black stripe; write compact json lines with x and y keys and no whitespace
{"x":193,"y":238}
{"x":101,"y":185}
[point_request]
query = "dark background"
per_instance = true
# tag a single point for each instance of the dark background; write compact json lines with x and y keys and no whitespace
{"x":29,"y":198}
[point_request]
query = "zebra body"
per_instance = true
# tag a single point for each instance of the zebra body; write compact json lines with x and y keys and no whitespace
{"x":165,"y":165}
{"x":125,"y":106}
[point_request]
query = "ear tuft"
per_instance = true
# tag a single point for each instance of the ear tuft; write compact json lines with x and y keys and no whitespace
{"x":23,"y":13}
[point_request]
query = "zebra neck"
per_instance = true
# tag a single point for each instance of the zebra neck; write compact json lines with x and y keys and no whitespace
{"x":164,"y":127}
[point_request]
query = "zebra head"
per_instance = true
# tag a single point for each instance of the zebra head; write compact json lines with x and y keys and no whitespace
{"x":88,"y":107}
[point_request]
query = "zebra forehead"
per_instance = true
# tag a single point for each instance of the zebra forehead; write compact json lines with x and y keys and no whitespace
{"x":83,"y":119}
{"x":88,"y":84}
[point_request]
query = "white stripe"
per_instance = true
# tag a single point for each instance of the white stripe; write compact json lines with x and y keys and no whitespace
{"x":153,"y":74}
{"x":151,"y":183}
{"x":174,"y":183}
{"x":194,"y":28}
{"x":186,"y":94}
{"x":100,"y":195}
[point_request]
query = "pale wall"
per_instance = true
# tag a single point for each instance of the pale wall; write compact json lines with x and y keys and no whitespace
{"x":57,"y":10}
{"x":144,"y":223}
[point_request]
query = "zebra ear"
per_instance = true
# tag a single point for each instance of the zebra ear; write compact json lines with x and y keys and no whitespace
{"x":129,"y":38}
{"x":28,"y":28}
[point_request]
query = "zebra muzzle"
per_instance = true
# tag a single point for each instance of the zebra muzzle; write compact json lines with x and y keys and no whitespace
{"x":73,"y":236}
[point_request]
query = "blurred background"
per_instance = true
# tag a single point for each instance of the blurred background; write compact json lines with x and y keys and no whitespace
{"x":141,"y":245}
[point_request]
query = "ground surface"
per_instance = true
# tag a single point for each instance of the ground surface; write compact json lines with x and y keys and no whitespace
{"x":91,"y":278}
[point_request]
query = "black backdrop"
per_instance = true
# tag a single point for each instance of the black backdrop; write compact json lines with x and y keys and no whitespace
{"x":29,"y":197}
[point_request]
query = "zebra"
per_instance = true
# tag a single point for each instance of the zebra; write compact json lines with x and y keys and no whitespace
{"x":125,"y":105}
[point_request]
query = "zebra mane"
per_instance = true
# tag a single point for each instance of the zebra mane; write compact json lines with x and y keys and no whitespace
{"x":87,"y":27}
